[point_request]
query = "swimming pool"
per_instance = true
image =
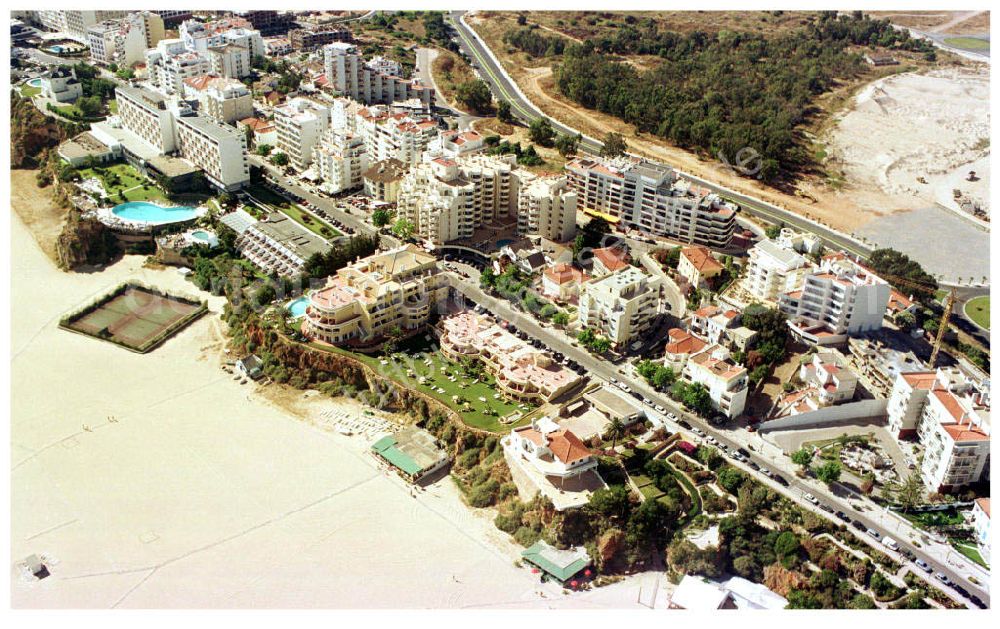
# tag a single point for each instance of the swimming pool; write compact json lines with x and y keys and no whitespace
{"x":151,"y":213}
{"x":35,"y":82}
{"x":297,"y":307}
{"x":503,"y":243}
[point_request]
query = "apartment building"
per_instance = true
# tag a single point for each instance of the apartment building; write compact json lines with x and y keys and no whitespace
{"x":697,"y":265}
{"x":340,"y":162}
{"x":73,"y":24}
{"x":454,"y":143}
{"x":607,"y":260}
{"x":61,"y":85}
{"x":948,"y":414}
{"x":714,"y":323}
{"x":222,"y":99}
{"x":725,"y":381}
{"x":562,"y":282}
{"x":522,"y":372}
{"x":839,"y":300}
{"x":264,"y":131}
{"x":879,"y":364}
{"x":774,"y":269}
{"x":641,"y":195}
{"x":279,"y":245}
{"x":215,"y":148}
{"x":546,"y":207}
{"x":681,"y":345}
{"x":170,"y":63}
{"x":200,"y":36}
{"x":383,"y":180}
{"x":382,"y":65}
{"x":173,"y":17}
{"x":268,"y":22}
{"x":389,"y":135}
{"x":312,"y":38}
{"x":301,"y":124}
{"x":829,"y":377}
{"x":230,"y":60}
{"x":366,"y":300}
{"x":449,"y":199}
{"x":981,"y":525}
{"x":347,"y":74}
{"x":620,"y":306}
{"x":124,"y":41}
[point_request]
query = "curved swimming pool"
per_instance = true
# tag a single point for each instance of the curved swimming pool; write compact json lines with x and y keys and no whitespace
{"x":35,"y":82}
{"x":145,"y":212}
{"x":298,"y":307}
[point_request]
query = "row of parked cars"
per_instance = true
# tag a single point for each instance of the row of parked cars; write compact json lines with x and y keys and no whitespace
{"x":277,"y":188}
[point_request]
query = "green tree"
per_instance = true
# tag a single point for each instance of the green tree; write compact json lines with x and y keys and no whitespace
{"x":381,"y":217}
{"x":504,"y":113}
{"x":475,"y":95}
{"x":600,"y":345}
{"x":615,"y":430}
{"x":802,"y":457}
{"x":829,"y":472}
{"x":560,"y":318}
{"x":403,"y":228}
{"x":568,"y":144}
{"x":540,"y":132}
{"x":911,"y":492}
{"x":731,"y":479}
{"x":279,"y":159}
{"x":614,"y":145}
{"x":773,"y":231}
{"x":264,"y":149}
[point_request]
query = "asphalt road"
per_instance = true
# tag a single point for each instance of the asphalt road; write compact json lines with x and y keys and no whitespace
{"x":796,"y":489}
{"x":503,"y":88}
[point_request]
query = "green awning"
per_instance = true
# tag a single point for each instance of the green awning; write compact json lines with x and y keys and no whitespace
{"x":386,"y":448}
{"x":546,"y":558}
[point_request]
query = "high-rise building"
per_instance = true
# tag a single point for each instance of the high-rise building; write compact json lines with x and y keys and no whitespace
{"x":341,"y":161}
{"x":773,"y":270}
{"x":620,"y":306}
{"x":547,"y":208}
{"x":301,"y":124}
{"x":124,"y":41}
{"x":652,"y":198}
{"x":347,"y":74}
{"x":222,"y":99}
{"x":74,"y":23}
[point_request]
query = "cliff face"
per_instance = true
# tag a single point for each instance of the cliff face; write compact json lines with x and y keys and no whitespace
{"x":31,"y":133}
{"x":84,"y":241}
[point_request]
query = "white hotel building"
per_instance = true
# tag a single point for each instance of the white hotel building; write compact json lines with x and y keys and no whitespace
{"x":301,"y":124}
{"x":841,"y":299}
{"x":398,"y":136}
{"x":347,"y":73}
{"x":620,"y":306}
{"x":652,"y":198}
{"x":340,"y":161}
{"x":773,"y":270}
{"x":726,"y":381}
{"x":170,"y":63}
{"x":124,"y":41}
{"x":546,"y":207}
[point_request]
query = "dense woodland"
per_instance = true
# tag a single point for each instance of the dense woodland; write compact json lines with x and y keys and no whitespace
{"x":718,"y":94}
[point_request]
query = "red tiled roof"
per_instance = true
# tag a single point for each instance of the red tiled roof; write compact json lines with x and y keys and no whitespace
{"x":531,"y":435}
{"x":984,"y":504}
{"x":613,"y":258}
{"x":702,"y":260}
{"x":682,"y":342}
{"x":199,"y":82}
{"x":920,"y":379}
{"x":567,"y":447}
{"x":258,"y":124}
{"x":564,"y":273}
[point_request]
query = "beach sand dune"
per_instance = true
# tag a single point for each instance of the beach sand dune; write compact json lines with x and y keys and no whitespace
{"x":203,"y":493}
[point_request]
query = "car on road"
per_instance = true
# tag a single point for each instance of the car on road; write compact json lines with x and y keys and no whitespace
{"x":890,"y":543}
{"x":874,"y":534}
{"x":858,"y":524}
{"x":684,"y":424}
{"x":842,"y":516}
{"x":753,"y":465}
{"x":660,"y":409}
{"x":826,"y":508}
{"x":647,"y":401}
{"x":781,"y":480}
{"x":811,"y":498}
{"x":743,"y":452}
{"x":923,"y":565}
{"x":942,"y":577}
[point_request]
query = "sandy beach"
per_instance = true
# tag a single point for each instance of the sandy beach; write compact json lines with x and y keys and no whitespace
{"x":203,"y":493}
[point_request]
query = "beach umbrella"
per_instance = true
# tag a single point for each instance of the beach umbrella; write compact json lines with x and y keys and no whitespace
{"x":535,"y":571}
{"x":573,"y":583}
{"x":586,"y":572}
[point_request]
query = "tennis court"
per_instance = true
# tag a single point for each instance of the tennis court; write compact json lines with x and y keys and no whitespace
{"x":137,"y":318}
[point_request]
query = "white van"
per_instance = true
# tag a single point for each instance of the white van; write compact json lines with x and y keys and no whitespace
{"x":890,"y":543}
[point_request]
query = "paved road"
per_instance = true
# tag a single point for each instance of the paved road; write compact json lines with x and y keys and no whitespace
{"x":764,"y":455}
{"x":425,"y":58}
{"x":504,"y":88}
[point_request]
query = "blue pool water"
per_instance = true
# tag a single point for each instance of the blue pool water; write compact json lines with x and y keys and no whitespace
{"x":298,"y":307}
{"x":35,"y":82}
{"x":503,"y":243}
{"x":202,"y":235}
{"x":151,"y":213}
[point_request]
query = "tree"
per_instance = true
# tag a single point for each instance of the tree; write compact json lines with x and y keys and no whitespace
{"x":89,"y":105}
{"x":279,"y":159}
{"x":802,"y":457}
{"x":568,"y":144}
{"x":906,"y":320}
{"x":601,"y":345}
{"x":403,"y":228}
{"x":475,"y":95}
{"x":614,"y":145}
{"x":264,"y":149}
{"x":911,"y":492}
{"x":488,"y":278}
{"x":381,"y":217}
{"x":773,"y":231}
{"x":731,"y":479}
{"x":504,"y":113}
{"x":893,"y":265}
{"x":540,"y":132}
{"x":829,"y":472}
{"x":560,"y":318}
{"x":592,"y":235}
{"x":616,"y":429}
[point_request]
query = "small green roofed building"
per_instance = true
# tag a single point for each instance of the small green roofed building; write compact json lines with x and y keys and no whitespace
{"x":561,"y":565}
{"x":412,"y":451}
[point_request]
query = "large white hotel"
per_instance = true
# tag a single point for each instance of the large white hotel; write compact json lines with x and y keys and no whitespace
{"x":652,"y":198}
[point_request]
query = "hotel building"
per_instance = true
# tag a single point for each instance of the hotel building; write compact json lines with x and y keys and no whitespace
{"x":124,"y":41}
{"x":222,"y":99}
{"x":390,"y":135}
{"x":546,"y":207}
{"x":217,"y":149}
{"x":522,"y":372}
{"x":725,"y":381}
{"x":366,"y":300}
{"x":341,"y":161}
{"x":278,"y":245}
{"x":621,"y":306}
{"x":773,"y":270}
{"x":649,"y":197}
{"x":301,"y":124}
{"x":347,"y":74}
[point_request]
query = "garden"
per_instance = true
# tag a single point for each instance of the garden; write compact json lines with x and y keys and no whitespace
{"x":123,"y":183}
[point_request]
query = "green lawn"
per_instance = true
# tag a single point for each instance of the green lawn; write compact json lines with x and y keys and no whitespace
{"x":128,"y":179}
{"x":411,"y":355}
{"x":968,"y":43}
{"x":930,"y":519}
{"x":978,"y":309}
{"x":29,"y":92}
{"x":113,"y":106}
{"x":317,"y":226}
{"x":971,"y":552}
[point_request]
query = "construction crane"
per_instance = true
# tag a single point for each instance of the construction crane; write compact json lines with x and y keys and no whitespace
{"x":949,"y":304}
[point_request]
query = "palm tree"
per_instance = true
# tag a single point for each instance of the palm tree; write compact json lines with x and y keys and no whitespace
{"x":616,"y":429}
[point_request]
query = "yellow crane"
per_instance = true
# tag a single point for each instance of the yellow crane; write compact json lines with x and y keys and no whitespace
{"x":949,"y":304}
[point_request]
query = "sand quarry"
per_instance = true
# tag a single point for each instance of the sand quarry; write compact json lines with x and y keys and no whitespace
{"x":206,"y":493}
{"x":934,"y":125}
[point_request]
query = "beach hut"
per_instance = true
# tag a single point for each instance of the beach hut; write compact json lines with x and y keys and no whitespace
{"x":561,"y":565}
{"x":36,"y":567}
{"x":250,"y":366}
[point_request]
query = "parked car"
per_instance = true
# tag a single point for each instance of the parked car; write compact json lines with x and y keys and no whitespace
{"x":978,"y":602}
{"x":890,"y":543}
{"x":753,"y":465}
{"x":811,"y":498}
{"x":923,"y":565}
{"x":781,"y":480}
{"x":942,"y":577}
{"x":842,"y":516}
{"x":874,"y":534}
{"x":826,"y":508}
{"x":660,"y":408}
{"x":858,"y":524}
{"x":684,"y":424}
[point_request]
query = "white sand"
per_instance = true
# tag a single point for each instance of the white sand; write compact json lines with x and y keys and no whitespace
{"x":204,"y":495}
{"x":916,"y":125}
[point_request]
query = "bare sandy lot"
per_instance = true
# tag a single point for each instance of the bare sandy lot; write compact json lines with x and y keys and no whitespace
{"x":909,"y":140}
{"x":35,"y":207}
{"x":157,"y":481}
